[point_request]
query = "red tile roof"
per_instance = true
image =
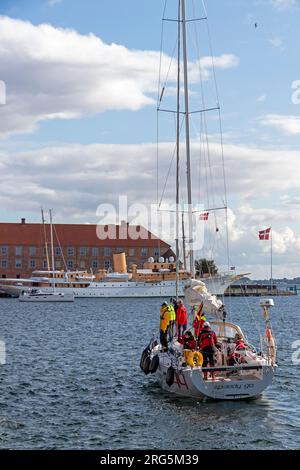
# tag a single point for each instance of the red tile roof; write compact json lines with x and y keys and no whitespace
{"x":27,"y":234}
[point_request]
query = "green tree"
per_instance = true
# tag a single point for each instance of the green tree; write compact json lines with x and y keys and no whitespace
{"x":205,"y":266}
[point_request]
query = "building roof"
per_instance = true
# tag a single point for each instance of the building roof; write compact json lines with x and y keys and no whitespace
{"x":27,"y":234}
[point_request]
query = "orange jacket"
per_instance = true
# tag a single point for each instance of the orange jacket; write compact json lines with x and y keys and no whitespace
{"x":164,"y":318}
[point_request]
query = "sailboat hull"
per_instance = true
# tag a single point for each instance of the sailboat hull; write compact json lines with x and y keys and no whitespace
{"x":189,"y":382}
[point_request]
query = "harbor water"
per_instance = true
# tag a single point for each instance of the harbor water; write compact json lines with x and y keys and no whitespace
{"x":72,"y":381}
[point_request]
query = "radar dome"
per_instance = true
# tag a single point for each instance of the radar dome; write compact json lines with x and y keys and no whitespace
{"x":161,"y":260}
{"x":151,"y":260}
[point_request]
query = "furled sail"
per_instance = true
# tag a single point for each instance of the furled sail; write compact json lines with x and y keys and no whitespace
{"x":196,"y":293}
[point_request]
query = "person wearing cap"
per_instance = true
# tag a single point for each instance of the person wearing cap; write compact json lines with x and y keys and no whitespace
{"x":207,"y":344}
{"x":188,"y":341}
{"x":181,"y":318}
{"x":164,"y":325}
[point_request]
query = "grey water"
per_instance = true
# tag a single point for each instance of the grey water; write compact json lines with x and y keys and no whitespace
{"x":72,"y":381}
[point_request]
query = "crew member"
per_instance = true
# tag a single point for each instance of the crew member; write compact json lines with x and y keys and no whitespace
{"x":172,"y":317}
{"x":181,"y":318}
{"x":188,"y":341}
{"x":207,"y":344}
{"x":164,"y":325}
{"x":236,"y":354}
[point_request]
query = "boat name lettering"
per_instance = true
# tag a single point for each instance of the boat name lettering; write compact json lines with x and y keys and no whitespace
{"x":233,"y":386}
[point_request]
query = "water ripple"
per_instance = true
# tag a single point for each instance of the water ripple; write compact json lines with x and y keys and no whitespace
{"x":72,"y":380}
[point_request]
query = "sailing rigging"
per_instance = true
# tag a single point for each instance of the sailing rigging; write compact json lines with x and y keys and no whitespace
{"x":235,"y":369}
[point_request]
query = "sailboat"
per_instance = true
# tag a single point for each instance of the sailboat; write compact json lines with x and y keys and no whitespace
{"x":237,"y":369}
{"x":53,"y":295}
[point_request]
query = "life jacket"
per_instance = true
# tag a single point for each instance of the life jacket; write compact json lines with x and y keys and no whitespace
{"x":182,"y":316}
{"x":240,"y":345}
{"x":164,"y":318}
{"x":187,"y":342}
{"x":207,"y":338}
{"x":172,"y":313}
{"x":237,"y":351}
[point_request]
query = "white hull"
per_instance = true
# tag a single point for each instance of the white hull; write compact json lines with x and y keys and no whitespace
{"x":250,"y":383}
{"x":131,"y":289}
{"x":47,"y":297}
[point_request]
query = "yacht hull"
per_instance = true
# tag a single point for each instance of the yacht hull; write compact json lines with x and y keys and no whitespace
{"x":47,"y":297}
{"x":131,"y":289}
{"x":189,"y":382}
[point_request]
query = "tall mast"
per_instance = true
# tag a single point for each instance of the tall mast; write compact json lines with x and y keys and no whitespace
{"x":45,"y":238}
{"x":177,"y":156}
{"x":187,"y":138}
{"x":183,"y":243}
{"x":52,"y":249}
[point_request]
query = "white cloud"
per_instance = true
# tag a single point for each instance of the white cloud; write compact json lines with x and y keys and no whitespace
{"x":277,"y":42}
{"x":84,"y":175}
{"x":281,"y":5}
{"x":54,"y":2}
{"x":75,"y":179}
{"x":288,"y":125}
{"x":261,"y":98}
{"x":54,"y":73}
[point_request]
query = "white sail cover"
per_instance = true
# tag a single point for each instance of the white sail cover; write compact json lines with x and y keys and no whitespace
{"x":196,"y":293}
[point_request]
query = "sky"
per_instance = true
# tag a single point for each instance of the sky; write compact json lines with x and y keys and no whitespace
{"x":78,"y":125}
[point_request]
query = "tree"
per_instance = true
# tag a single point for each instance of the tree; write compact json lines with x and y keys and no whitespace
{"x":205,"y":266}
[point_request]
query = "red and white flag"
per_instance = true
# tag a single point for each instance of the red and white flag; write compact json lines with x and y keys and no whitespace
{"x":264,"y":234}
{"x":204,"y":216}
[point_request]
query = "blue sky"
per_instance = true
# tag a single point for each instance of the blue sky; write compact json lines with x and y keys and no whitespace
{"x":79,"y":125}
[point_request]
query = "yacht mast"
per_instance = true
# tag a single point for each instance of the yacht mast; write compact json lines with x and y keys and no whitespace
{"x":45,"y":238}
{"x":183,"y":243}
{"x":187,"y":137}
{"x":177,"y":156}
{"x":52,"y":249}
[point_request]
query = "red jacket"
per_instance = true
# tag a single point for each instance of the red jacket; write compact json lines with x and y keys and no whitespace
{"x":182,"y":315}
{"x":207,"y":338}
{"x":240,"y":344}
{"x":188,"y":343}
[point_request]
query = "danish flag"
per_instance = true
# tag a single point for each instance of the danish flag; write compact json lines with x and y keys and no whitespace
{"x":264,"y":234}
{"x":204,"y":216}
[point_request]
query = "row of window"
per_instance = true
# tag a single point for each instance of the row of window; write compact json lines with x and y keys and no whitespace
{"x":83,"y":251}
{"x":58,"y":264}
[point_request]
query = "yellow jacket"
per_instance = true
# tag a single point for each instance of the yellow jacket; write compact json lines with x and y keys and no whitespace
{"x":164,"y":318}
{"x":172,"y":313}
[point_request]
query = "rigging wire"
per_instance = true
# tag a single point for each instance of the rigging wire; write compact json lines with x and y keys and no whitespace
{"x":220,"y":128}
{"x":60,"y":247}
{"x":169,"y":170}
{"x":157,"y":116}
